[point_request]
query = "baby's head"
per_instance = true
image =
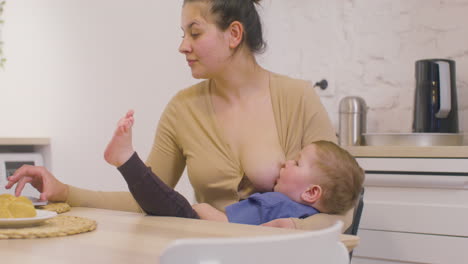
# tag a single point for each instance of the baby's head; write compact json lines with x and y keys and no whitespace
{"x":324,"y":176}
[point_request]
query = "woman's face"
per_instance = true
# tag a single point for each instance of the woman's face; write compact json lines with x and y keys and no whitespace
{"x":297,"y":175}
{"x":206,"y":48}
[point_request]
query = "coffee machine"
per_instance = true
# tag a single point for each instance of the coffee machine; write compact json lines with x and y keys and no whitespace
{"x":435,"y":99}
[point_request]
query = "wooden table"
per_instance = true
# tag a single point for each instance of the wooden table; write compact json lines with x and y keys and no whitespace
{"x":123,"y":237}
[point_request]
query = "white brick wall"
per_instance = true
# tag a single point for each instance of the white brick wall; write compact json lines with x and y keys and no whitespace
{"x":368,"y":48}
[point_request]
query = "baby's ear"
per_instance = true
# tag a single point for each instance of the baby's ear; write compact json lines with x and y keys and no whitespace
{"x":312,"y":194}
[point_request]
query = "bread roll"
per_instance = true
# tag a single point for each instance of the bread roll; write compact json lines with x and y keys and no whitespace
{"x":16,"y":207}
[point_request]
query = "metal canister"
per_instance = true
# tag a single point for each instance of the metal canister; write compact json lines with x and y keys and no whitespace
{"x":352,"y":121}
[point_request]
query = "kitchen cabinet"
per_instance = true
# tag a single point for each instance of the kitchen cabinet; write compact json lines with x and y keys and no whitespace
{"x":415,"y":205}
{"x":15,"y":152}
{"x":27,"y":145}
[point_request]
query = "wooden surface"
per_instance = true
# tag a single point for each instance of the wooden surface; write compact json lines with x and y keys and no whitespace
{"x":409,"y":151}
{"x":123,"y":237}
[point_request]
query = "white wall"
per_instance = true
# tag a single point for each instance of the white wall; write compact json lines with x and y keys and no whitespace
{"x":75,"y":66}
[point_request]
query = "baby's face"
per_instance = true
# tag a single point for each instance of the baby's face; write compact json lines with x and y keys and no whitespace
{"x":298,"y":174}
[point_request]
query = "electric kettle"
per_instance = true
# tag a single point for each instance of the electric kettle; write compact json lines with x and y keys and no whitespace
{"x":435,"y":100}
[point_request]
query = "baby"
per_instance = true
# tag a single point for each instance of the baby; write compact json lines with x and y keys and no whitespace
{"x":323,"y":179}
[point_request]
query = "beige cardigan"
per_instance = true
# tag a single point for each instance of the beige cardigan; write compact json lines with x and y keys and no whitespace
{"x":187,"y":136}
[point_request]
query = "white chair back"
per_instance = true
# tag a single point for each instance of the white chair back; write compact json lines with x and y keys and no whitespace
{"x":321,"y":246}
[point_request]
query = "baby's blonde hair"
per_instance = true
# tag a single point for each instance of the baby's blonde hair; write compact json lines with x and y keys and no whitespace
{"x":343,"y":179}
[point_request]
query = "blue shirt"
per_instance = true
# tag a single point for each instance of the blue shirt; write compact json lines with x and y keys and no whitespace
{"x":260,"y":208}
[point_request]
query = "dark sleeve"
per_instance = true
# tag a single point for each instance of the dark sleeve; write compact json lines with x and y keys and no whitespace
{"x":151,"y":193}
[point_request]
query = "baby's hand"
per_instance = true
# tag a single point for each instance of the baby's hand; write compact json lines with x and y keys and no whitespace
{"x":281,"y":223}
{"x":120,"y":148}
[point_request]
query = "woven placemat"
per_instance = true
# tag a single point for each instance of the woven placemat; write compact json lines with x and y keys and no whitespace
{"x":62,"y":225}
{"x":55,"y":207}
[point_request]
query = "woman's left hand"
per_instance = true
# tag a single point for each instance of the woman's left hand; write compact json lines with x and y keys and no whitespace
{"x":281,"y":223}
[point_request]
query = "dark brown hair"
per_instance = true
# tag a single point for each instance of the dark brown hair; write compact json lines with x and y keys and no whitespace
{"x":243,"y":11}
{"x":343,"y":179}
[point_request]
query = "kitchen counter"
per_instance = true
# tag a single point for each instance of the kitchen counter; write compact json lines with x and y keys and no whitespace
{"x":409,"y":151}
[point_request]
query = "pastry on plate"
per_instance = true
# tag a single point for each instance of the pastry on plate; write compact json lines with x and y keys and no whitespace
{"x":16,"y":207}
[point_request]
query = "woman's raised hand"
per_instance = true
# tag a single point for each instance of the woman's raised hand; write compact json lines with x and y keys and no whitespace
{"x":40,"y":178}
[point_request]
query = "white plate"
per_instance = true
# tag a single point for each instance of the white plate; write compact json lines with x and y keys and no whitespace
{"x":36,"y":201}
{"x":41,"y":216}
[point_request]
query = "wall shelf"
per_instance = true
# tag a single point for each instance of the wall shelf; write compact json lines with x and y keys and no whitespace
{"x":24,"y":141}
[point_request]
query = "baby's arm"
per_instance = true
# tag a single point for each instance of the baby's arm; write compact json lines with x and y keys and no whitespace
{"x":208,"y":212}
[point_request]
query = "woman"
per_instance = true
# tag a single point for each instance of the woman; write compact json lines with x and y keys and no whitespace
{"x":233,"y":130}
